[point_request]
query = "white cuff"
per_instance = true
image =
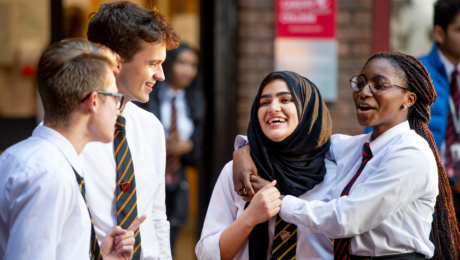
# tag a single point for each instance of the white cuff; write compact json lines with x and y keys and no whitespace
{"x":240,"y":141}
{"x":288,"y":207}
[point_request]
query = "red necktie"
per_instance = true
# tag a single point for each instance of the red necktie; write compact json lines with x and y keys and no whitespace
{"x":341,"y":245}
{"x":451,"y":134}
{"x":173,"y":162}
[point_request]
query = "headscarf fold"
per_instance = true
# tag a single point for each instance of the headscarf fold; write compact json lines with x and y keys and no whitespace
{"x":297,"y":162}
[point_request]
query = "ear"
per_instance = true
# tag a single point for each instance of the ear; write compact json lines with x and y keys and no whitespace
{"x":92,"y":103}
{"x":439,"y":34}
{"x":409,"y":99}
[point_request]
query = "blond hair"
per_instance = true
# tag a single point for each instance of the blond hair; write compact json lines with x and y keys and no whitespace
{"x":68,"y":70}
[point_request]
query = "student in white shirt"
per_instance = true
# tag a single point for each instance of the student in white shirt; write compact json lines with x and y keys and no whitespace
{"x":290,"y":131}
{"x":43,"y":214}
{"x":392,"y":210}
{"x":125,"y":189}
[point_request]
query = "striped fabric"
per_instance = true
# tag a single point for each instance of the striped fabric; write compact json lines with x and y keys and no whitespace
{"x":94,"y":250}
{"x":451,"y":134}
{"x":126,"y":184}
{"x":173,"y":162}
{"x":284,"y":241}
{"x":341,"y":246}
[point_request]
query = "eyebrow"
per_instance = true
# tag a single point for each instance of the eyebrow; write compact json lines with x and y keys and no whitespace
{"x":155,"y":61}
{"x":277,"y":94}
{"x":378,"y":75}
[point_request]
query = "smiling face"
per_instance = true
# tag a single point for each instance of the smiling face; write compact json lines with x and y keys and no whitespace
{"x":136,"y":78}
{"x":382,"y":110}
{"x":277,"y":112}
{"x":184,"y":69}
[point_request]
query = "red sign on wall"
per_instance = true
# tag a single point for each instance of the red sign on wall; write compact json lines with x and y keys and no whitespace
{"x":305,"y":18}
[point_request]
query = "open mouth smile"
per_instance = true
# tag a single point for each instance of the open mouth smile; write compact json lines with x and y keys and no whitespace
{"x":276,"y":121}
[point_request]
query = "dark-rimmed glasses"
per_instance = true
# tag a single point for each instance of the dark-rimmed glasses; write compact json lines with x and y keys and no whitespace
{"x":118,"y":97}
{"x":376,"y":84}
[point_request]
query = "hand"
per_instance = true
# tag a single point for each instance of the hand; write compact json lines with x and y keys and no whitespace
{"x":264,"y":205}
{"x":118,"y":244}
{"x":179,"y":148}
{"x":243,"y":168}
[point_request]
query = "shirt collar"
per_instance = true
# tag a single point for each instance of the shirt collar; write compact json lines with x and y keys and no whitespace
{"x":448,"y":66}
{"x":61,"y":143}
{"x":377,"y":144}
{"x":171,"y":93}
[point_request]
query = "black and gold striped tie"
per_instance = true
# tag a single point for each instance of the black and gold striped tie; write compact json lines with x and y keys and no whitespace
{"x":94,"y":250}
{"x":126,"y":184}
{"x":284,"y":241}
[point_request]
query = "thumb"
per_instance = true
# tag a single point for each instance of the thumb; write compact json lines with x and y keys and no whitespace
{"x":117,"y":231}
{"x":137,"y":223}
{"x":269,"y":185}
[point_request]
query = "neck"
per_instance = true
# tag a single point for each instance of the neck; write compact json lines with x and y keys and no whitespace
{"x":454,"y":60}
{"x":76,"y":134}
{"x":380,"y":129}
{"x":173,"y":85}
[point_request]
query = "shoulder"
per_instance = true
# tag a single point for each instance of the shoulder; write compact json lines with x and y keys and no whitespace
{"x":341,"y":143}
{"x":143,"y":120}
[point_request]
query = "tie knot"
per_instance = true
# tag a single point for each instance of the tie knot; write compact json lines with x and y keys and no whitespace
{"x":121,"y":122}
{"x":367,"y":153}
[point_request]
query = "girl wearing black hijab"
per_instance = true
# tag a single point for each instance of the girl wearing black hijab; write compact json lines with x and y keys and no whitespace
{"x":289,"y":132}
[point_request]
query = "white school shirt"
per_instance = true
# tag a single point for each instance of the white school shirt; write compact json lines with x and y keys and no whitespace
{"x":185,"y":126}
{"x":42,"y":212}
{"x":146,"y":141}
{"x":226,"y":205}
{"x":390,"y":206}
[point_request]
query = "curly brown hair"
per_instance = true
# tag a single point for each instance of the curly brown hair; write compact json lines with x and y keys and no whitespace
{"x":124,"y":27}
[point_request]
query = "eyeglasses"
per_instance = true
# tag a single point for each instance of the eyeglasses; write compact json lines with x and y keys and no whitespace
{"x":376,"y":84}
{"x":118,"y":97}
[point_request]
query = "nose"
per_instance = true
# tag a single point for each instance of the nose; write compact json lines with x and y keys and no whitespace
{"x":158,"y":73}
{"x":274,"y":107}
{"x":366,"y":91}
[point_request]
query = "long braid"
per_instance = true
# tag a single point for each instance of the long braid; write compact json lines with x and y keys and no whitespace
{"x":444,"y":233}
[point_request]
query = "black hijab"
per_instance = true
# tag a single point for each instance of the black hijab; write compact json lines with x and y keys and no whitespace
{"x":297,"y":162}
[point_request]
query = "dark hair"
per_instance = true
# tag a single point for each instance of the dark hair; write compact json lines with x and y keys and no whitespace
{"x":444,"y":230}
{"x":67,"y":71}
{"x":124,"y":27}
{"x":445,"y":12}
{"x":271,"y":77}
{"x":194,"y":92}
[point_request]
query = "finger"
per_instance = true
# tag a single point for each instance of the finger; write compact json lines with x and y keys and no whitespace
{"x":117,"y":231}
{"x":125,"y":250}
{"x":239,"y":185}
{"x":137,"y":223}
{"x":126,"y":242}
{"x":269,"y":185}
{"x":248,"y":185}
{"x":247,"y":198}
{"x":127,"y":235}
{"x":276,"y":203}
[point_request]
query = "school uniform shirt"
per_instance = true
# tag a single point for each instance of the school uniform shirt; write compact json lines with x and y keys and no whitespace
{"x":390,"y":206}
{"x":185,"y":126}
{"x":146,"y":141}
{"x":226,"y":205}
{"x":42,"y":212}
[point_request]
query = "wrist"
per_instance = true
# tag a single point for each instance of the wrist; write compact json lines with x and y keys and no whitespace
{"x":247,"y":219}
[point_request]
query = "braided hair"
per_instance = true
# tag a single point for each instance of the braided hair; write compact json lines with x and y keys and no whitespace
{"x":444,"y":230}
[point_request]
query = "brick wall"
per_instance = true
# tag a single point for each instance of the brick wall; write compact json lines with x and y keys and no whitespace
{"x":256,"y":24}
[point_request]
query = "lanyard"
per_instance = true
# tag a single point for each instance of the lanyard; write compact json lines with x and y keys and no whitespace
{"x":453,"y":114}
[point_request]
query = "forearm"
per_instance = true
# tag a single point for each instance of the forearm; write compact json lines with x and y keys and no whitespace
{"x":234,"y":236}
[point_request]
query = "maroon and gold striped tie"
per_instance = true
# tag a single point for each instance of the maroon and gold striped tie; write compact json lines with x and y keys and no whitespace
{"x":451,"y":134}
{"x":173,"y":162}
{"x":126,"y":184}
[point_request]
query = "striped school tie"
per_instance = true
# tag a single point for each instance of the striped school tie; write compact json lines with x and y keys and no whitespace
{"x":94,"y":250}
{"x":451,"y":134}
{"x":284,"y":241}
{"x":341,"y":246}
{"x":126,"y":184}
{"x":173,"y":162}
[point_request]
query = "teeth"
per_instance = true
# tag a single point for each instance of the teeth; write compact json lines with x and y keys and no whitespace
{"x":276,"y":120}
{"x":148,"y":84}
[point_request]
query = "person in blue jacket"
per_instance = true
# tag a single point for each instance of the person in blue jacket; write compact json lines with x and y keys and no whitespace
{"x":443,"y":64}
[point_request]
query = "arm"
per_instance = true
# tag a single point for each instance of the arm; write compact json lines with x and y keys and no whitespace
{"x":159,"y":207}
{"x":243,"y":168}
{"x":222,"y":213}
{"x":384,"y":192}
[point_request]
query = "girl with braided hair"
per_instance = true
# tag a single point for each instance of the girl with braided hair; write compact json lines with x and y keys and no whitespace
{"x":391,"y":197}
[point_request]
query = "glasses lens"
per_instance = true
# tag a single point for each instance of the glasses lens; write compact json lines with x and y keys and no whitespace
{"x":357,"y":83}
{"x":377,"y":84}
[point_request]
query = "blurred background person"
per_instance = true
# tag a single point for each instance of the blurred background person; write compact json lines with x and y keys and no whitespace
{"x":179,"y":104}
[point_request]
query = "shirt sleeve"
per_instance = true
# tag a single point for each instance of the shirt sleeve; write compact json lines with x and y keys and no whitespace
{"x":159,"y":207}
{"x":240,"y":141}
{"x":390,"y":188}
{"x":221,"y":213}
{"x":39,"y":207}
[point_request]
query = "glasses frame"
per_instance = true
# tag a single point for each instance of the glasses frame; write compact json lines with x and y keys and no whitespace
{"x":121,"y":96}
{"x":371,"y":86}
